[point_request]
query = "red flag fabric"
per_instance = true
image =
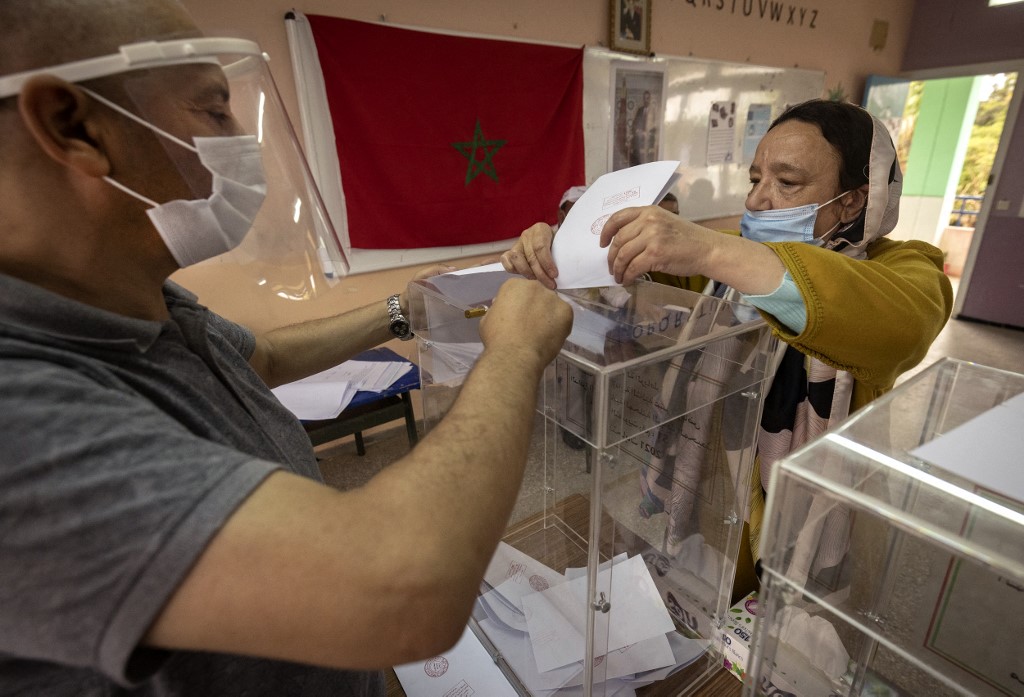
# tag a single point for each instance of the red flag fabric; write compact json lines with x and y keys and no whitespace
{"x":447,"y":140}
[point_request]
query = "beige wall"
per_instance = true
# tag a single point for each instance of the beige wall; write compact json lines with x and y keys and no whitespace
{"x":729,"y":30}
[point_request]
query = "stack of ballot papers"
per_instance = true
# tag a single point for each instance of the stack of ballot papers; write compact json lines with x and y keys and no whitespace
{"x":326,"y":394}
{"x":536,"y":619}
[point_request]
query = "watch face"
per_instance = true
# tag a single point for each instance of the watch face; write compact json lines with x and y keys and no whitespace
{"x":400,"y":328}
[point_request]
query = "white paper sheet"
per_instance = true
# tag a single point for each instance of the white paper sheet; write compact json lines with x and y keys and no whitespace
{"x":502,"y":612}
{"x":577,"y":253}
{"x":589,"y":329}
{"x":759,"y":117}
{"x":371,"y":376}
{"x":484,"y":268}
{"x":647,"y":655}
{"x":611,"y":688}
{"x":684,"y":652}
{"x":449,"y":363}
{"x":311,"y":401}
{"x":516,"y":650}
{"x":327,"y":393}
{"x":985,"y":450}
{"x":721,"y":133}
{"x":556,"y":618}
{"x":515,"y":574}
{"x":574,"y":572}
{"x":464,"y":671}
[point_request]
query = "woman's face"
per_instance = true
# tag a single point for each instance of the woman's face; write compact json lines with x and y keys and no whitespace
{"x":794,"y":165}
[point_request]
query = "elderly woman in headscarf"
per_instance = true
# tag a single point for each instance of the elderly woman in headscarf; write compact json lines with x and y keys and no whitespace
{"x":854,"y":309}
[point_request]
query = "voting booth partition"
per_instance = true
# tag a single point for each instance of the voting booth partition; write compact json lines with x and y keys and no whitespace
{"x":893,"y":547}
{"x":616,"y":570}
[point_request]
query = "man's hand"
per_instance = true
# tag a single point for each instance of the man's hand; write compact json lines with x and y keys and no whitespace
{"x":531,"y":255}
{"x":527,"y":321}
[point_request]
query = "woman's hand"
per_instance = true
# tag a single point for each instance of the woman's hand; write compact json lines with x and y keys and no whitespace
{"x":531,"y":255}
{"x":652,"y":239}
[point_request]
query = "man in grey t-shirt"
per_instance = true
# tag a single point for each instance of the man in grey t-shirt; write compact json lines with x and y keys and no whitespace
{"x":163,"y":529}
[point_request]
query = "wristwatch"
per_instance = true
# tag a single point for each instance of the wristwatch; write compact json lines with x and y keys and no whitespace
{"x":398,"y":323}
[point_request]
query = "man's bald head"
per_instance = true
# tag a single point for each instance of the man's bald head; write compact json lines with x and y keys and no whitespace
{"x":45,"y":33}
{"x":42,"y":33}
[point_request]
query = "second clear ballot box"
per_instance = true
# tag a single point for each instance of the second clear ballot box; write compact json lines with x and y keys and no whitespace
{"x":893,"y":547}
{"x":616,"y":570}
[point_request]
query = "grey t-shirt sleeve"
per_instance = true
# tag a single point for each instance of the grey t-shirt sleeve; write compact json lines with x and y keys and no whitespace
{"x":105,"y":505}
{"x":240,"y":337}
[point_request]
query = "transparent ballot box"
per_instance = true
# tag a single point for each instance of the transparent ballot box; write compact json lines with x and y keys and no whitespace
{"x":893,"y":547}
{"x":617,"y":566}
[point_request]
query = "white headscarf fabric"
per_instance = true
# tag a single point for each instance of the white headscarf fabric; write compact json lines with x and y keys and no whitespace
{"x":572,"y":194}
{"x":883,"y":196}
{"x":883,"y":209}
{"x":825,"y":540}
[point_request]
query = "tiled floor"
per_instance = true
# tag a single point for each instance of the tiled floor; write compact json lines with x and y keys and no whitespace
{"x":997,"y":347}
{"x":966,"y":340}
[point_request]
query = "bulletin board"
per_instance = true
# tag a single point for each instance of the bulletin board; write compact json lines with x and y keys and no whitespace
{"x":714,"y":158}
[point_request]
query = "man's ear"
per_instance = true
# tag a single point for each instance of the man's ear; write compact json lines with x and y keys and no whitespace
{"x":64,"y":123}
{"x":853,"y":203}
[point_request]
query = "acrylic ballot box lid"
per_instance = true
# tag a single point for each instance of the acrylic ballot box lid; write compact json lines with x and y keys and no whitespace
{"x":893,"y":548}
{"x":617,"y":566}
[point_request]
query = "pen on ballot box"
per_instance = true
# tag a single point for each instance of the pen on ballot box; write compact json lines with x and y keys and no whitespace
{"x":478,"y":311}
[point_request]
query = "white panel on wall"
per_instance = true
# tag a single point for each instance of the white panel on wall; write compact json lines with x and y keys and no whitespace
{"x":691,"y":87}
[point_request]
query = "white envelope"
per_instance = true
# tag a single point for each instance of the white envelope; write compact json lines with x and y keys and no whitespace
{"x":466,"y":669}
{"x":515,"y":574}
{"x":557,"y":617}
{"x":576,"y":250}
{"x":515,"y":649}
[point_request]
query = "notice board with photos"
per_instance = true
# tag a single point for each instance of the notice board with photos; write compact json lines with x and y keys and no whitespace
{"x":707,"y":114}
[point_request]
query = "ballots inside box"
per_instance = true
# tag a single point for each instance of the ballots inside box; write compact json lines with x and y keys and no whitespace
{"x":643,"y":448}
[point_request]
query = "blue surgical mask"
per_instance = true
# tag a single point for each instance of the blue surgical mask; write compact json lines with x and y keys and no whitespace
{"x":784,"y":224}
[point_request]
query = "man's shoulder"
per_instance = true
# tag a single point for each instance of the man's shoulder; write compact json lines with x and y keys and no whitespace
{"x":174,"y":292}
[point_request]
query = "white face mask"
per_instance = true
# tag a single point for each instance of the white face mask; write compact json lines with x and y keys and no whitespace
{"x":785,"y":224}
{"x":198,"y":229}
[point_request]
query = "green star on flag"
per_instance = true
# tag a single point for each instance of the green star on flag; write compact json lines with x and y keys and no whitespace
{"x":487,"y":148}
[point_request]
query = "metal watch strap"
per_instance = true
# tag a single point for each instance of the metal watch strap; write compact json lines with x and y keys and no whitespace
{"x":398,"y":323}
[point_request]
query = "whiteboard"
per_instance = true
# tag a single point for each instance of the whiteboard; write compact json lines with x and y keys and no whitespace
{"x":691,"y":87}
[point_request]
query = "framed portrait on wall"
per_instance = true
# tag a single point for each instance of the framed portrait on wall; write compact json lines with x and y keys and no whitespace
{"x":630,"y":26}
{"x":638,"y":97}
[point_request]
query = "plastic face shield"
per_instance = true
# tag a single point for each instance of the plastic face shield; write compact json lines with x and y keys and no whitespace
{"x":292,"y":252}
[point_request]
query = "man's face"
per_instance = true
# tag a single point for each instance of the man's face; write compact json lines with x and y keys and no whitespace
{"x":185,"y":101}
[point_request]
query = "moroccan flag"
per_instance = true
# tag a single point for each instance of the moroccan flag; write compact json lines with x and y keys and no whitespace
{"x":447,"y":140}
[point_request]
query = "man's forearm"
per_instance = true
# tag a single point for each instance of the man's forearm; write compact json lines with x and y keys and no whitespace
{"x":465,"y":474}
{"x":299,"y":350}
